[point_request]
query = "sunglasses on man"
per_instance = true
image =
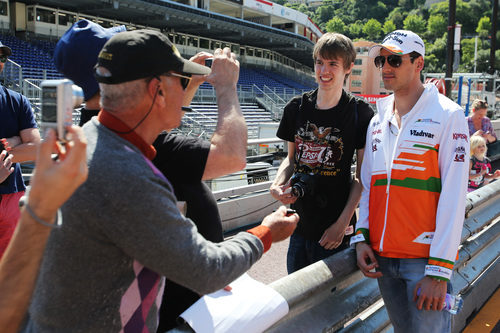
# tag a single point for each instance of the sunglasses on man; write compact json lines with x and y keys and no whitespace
{"x":3,"y":58}
{"x":184,"y":79}
{"x":393,"y":60}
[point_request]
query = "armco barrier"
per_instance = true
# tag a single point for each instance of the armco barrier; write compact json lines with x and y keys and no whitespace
{"x":331,"y":293}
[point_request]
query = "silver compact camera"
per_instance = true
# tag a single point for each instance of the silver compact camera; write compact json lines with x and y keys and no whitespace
{"x":59,"y":98}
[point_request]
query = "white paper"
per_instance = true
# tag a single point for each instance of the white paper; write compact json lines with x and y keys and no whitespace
{"x":249,"y":307}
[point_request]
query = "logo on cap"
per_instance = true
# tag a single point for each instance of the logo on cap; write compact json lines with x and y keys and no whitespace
{"x":176,"y":52}
{"x":106,"y":55}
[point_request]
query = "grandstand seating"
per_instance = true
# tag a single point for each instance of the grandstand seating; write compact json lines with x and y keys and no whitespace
{"x":261,"y":77}
{"x":35,"y":57}
{"x":204,"y":119}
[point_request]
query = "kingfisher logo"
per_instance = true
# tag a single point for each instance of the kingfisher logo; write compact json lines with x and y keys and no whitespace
{"x":462,"y":136}
{"x":459,"y":158}
{"x":421,"y":133}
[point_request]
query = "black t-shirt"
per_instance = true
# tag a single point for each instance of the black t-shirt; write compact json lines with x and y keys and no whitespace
{"x":86,"y":115}
{"x":182,"y":160}
{"x":325,"y":141}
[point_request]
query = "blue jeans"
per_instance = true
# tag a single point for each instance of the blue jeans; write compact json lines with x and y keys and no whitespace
{"x":399,"y":279}
{"x":304,"y":252}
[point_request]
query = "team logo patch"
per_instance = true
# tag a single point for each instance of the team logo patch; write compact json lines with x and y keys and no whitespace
{"x":424,"y":238}
{"x":459,"y":158}
{"x":460,"y":136}
{"x":460,"y":149}
{"x":427,"y":120}
{"x":421,"y":133}
{"x":374,"y":144}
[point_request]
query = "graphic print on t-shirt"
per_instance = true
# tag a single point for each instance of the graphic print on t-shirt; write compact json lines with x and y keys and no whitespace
{"x":477,"y":167}
{"x":318,"y":149}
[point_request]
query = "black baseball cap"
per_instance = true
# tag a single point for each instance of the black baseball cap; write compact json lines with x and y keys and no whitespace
{"x":138,"y":54}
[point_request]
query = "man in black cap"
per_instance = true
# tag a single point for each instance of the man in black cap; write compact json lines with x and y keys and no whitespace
{"x":18,"y":136}
{"x":184,"y":160}
{"x":102,"y":270}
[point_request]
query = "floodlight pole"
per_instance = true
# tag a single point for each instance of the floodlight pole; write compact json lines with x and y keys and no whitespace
{"x":449,"y":46}
{"x":494,"y":18}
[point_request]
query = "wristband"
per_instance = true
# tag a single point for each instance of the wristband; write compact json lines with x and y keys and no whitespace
{"x":55,"y":225}
{"x":356,"y":239}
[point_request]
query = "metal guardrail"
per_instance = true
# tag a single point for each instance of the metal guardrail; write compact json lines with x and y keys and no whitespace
{"x":333,"y":296}
{"x":335,"y":283}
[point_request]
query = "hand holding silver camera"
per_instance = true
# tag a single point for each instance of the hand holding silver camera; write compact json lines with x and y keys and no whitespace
{"x":59,"y":98}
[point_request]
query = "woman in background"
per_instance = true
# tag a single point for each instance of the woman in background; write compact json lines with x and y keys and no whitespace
{"x":479,"y":124}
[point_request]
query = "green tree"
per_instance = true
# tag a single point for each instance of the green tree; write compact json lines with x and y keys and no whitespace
{"x":389,"y":26}
{"x":483,"y":27}
{"x":437,"y":25}
{"x":397,"y":16}
{"x":325,"y":13}
{"x":372,"y":29}
{"x":438,"y":49}
{"x":431,"y":64}
{"x":414,"y":23}
{"x":302,"y":8}
{"x":379,"y":11}
{"x":336,"y":25}
{"x":356,"y":29}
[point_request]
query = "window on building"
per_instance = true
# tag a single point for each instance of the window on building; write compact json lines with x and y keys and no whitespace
{"x":31,"y":14}
{"x":356,"y":72}
{"x":66,"y":19}
{"x":355,"y":83}
{"x":3,"y":8}
{"x":358,"y":62}
{"x":105,"y":23}
{"x":45,"y":15}
{"x":192,"y":41}
{"x":204,"y":43}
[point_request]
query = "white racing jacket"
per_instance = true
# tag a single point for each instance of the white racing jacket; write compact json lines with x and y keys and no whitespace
{"x":413,"y":200}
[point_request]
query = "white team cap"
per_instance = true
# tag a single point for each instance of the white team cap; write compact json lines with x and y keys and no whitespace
{"x":399,"y":42}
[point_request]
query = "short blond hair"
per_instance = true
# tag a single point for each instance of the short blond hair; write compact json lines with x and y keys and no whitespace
{"x":475,"y":141}
{"x":479,"y":104}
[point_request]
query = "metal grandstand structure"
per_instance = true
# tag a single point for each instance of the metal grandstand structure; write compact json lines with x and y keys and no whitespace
{"x":175,"y":16}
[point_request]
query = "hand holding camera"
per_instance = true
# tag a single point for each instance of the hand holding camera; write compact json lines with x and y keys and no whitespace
{"x":59,"y":98}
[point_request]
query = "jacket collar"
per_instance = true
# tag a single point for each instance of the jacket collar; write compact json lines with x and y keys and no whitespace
{"x":116,"y":125}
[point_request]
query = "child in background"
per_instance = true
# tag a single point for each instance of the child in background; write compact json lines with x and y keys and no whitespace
{"x":480,"y":167}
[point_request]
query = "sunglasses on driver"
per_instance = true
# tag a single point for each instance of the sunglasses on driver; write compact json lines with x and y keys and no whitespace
{"x":393,"y":60}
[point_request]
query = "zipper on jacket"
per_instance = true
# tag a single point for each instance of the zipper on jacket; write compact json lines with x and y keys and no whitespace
{"x":389,"y":174}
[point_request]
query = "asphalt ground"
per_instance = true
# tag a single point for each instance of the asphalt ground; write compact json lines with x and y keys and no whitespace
{"x":272,"y":265}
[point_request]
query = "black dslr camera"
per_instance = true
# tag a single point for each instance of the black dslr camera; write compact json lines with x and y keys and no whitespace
{"x":302,"y":184}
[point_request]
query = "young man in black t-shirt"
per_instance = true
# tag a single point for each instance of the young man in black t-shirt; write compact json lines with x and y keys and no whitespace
{"x":323,"y":128}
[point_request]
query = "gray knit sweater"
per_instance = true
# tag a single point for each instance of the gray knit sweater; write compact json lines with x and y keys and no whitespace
{"x":120,"y":229}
